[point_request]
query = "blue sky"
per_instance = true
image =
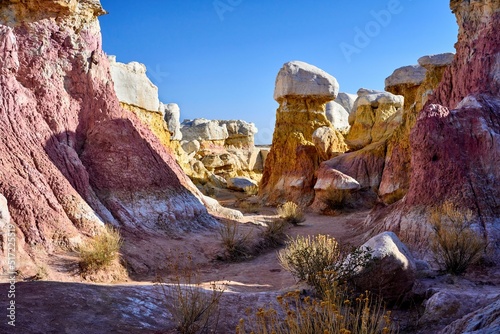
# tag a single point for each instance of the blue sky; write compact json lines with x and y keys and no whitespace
{"x":219,"y":59}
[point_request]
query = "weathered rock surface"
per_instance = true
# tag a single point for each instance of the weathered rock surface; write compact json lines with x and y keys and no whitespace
{"x":396,"y":178}
{"x":337,"y":115}
{"x":172,"y":117}
{"x":375,"y":118}
{"x":297,"y":78}
{"x":72,"y":158}
{"x":455,"y":143}
{"x":391,"y":270}
{"x":202,"y":129}
{"x":302,"y":90}
{"x":482,"y":321}
{"x":4,"y":213}
{"x":328,"y":142}
{"x":346,"y":100}
{"x":240,"y":183}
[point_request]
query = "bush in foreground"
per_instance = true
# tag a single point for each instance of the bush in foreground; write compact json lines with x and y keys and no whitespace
{"x":101,"y":251}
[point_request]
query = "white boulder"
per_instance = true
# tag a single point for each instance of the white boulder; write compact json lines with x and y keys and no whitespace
{"x":172,"y":116}
{"x":412,"y":75}
{"x":337,"y":115}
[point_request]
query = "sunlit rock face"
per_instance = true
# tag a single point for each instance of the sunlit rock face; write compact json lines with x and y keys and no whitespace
{"x":302,"y":90}
{"x":72,"y":158}
{"x":455,"y":142}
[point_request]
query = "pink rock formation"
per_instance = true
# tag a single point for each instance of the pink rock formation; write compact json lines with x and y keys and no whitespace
{"x":455,"y":143}
{"x":71,"y":158}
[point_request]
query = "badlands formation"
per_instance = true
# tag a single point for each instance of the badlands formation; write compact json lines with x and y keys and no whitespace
{"x":86,"y":143}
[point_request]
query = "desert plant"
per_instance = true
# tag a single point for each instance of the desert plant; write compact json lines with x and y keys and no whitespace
{"x":274,"y":234}
{"x":194,"y":308}
{"x":249,"y":207}
{"x":320,"y":261}
{"x":251,"y":190}
{"x":454,"y":244}
{"x":337,"y":313}
{"x":234,"y":243}
{"x":100,"y":251}
{"x":291,"y":213}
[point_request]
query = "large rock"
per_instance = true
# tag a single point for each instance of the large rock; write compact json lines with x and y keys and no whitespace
{"x":346,"y":100}
{"x":297,"y":78}
{"x":202,"y":129}
{"x":302,"y":91}
{"x":482,"y":321}
{"x":455,"y":143}
{"x":396,"y":178}
{"x":375,"y":118}
{"x":74,"y":159}
{"x":328,"y":142}
{"x":240,"y":183}
{"x":391,"y":270}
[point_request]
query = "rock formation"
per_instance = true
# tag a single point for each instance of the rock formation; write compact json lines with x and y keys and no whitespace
{"x":455,"y":143}
{"x":72,"y":158}
{"x":416,"y":84}
{"x":302,"y":90}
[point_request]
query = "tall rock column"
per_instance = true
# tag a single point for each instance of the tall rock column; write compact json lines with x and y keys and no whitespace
{"x":302,"y":90}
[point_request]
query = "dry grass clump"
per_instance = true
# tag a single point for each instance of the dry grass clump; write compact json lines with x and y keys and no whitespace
{"x":291,"y":213}
{"x":194,"y":308}
{"x":235,"y":244}
{"x":337,"y":313}
{"x":274,"y":234}
{"x":454,"y":244}
{"x":101,"y":251}
{"x":249,"y":207}
{"x":337,"y":199}
{"x":251,"y":190}
{"x":320,"y":261}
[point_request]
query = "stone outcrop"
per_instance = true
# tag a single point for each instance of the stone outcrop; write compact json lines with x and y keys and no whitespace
{"x":172,"y":117}
{"x":346,"y":100}
{"x":396,"y":178}
{"x":328,"y":142}
{"x":337,"y":115}
{"x":376,"y":115}
{"x":72,"y":158}
{"x":391,"y":270}
{"x":302,"y":90}
{"x":485,"y":320}
{"x":455,"y":143}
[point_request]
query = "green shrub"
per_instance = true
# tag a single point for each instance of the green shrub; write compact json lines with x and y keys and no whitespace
{"x":454,"y":244}
{"x":101,"y":251}
{"x":291,"y":213}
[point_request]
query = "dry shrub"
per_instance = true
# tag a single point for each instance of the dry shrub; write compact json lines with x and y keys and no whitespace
{"x":194,"y":308}
{"x":101,"y":251}
{"x":320,"y":261}
{"x":249,"y":207}
{"x":337,"y":313}
{"x":291,"y":213}
{"x":454,"y":244}
{"x":235,"y":245}
{"x":274,"y":234}
{"x":251,"y":190}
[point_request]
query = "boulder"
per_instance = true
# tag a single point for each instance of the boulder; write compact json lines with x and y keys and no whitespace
{"x":483,"y":321}
{"x":202,"y":129}
{"x":391,"y":270}
{"x":132,"y":86}
{"x":337,"y":115}
{"x":240,"y":183}
{"x":297,"y":78}
{"x":438,"y":60}
{"x":240,"y":134}
{"x":375,"y":118}
{"x":192,"y":146}
{"x":346,"y":100}
{"x":172,"y":118}
{"x":328,"y":142}
{"x":302,"y":90}
{"x":448,"y":305}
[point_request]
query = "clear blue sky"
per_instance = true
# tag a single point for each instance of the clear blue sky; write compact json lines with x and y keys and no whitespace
{"x":219,"y":59}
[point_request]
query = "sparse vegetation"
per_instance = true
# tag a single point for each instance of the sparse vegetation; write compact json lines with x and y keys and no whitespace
{"x":336,"y":313}
{"x":101,"y":251}
{"x":194,"y":308}
{"x":234,"y":243}
{"x":274,"y":234}
{"x":251,"y":190}
{"x":320,"y":261}
{"x":454,"y":244}
{"x":291,"y":213}
{"x":246,"y":206}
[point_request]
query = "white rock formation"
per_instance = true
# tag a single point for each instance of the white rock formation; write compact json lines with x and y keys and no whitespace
{"x":411,"y":75}
{"x":202,"y":129}
{"x":438,"y":60}
{"x":298,"y":78}
{"x":337,"y":115}
{"x":132,"y":86}
{"x":172,"y":116}
{"x":346,"y":100}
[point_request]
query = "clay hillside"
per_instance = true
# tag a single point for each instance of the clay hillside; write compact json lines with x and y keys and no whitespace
{"x":374,"y":212}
